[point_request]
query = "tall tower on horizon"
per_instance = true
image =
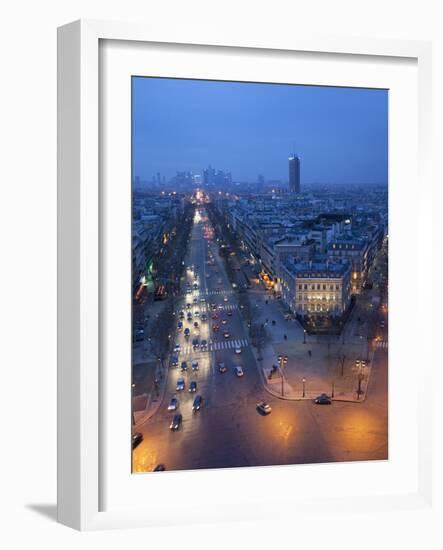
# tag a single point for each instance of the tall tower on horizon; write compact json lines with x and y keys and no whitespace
{"x":294,"y":174}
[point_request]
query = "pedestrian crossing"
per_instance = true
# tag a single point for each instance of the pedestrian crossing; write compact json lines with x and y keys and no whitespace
{"x":217,"y":292}
{"x":228,"y":307}
{"x":382,"y":345}
{"x":216,"y":346}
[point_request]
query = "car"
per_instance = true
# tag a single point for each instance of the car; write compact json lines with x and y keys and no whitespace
{"x":159,"y":468}
{"x":195,"y":300}
{"x":222,"y":368}
{"x":225,"y":299}
{"x":226,"y":335}
{"x":193,"y":386}
{"x":184,"y":365}
{"x":195,"y":365}
{"x":187,"y":332}
{"x":180,"y":384}
{"x":195,"y":343}
{"x":238,"y":371}
{"x":137,"y":438}
{"x":195,"y":285}
{"x":229,"y":313}
{"x":174,"y":361}
{"x":264,"y":407}
{"x":179,"y":325}
{"x":196,"y":313}
{"x":237,"y":350}
{"x":189,"y":316}
{"x":176,"y":422}
{"x":204,"y":345}
{"x":189,"y":291}
{"x":173,"y":404}
{"x":198,"y":402}
{"x":203,"y":317}
{"x":188,"y":305}
{"x":214,"y":316}
{"x":202,"y":300}
{"x":215,"y":328}
{"x":224,"y":321}
{"x":323,"y":399}
{"x":182,"y":314}
{"x":177,"y":347}
{"x":213,"y":306}
{"x":195,"y":324}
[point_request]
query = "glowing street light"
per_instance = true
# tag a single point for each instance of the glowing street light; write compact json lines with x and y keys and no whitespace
{"x":282,"y":360}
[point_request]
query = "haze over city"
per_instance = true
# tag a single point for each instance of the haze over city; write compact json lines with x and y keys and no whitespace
{"x":340,"y":134}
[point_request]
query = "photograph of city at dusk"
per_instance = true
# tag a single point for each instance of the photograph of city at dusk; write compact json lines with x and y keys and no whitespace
{"x":259,"y":274}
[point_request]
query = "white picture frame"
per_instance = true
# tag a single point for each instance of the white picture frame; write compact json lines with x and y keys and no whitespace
{"x":80,"y":412}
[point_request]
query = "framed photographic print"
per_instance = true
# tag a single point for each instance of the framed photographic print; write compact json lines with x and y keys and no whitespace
{"x":234,"y":291}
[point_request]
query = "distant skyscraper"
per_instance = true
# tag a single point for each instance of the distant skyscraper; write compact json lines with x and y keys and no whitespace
{"x":294,"y":174}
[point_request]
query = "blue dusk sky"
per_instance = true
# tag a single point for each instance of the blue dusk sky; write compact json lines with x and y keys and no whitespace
{"x":340,"y":134}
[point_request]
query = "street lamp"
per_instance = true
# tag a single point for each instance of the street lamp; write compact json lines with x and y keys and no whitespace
{"x":304,"y":336}
{"x":282,"y":360}
{"x":304,"y":386}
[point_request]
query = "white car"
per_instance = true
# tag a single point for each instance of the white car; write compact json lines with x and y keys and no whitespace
{"x":237,"y":350}
{"x":239,"y":371}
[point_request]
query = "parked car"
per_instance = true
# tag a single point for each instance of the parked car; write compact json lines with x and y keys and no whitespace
{"x":239,"y":371}
{"x":195,"y":365}
{"x":198,"y":402}
{"x":180,"y":384}
{"x":193,"y":386}
{"x":179,"y":325}
{"x":174,"y":361}
{"x":137,"y":438}
{"x":184,"y":365}
{"x":176,"y":422}
{"x":323,"y":399}
{"x":204,"y":345}
{"x":195,"y":344}
{"x":173,"y":404}
{"x":177,"y":347}
{"x":264,"y":408}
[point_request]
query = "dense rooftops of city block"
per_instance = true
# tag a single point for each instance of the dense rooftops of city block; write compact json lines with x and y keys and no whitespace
{"x":318,"y":268}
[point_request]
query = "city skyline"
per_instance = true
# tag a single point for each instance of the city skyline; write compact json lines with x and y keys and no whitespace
{"x":340,"y":134}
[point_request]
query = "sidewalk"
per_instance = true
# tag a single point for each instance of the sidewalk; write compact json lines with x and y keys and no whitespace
{"x":148,"y":390}
{"x":324,"y":362}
